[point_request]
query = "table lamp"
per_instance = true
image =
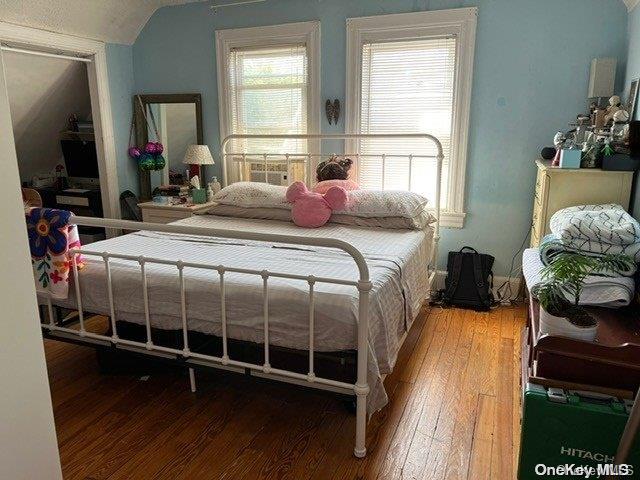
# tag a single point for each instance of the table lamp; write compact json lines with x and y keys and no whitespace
{"x":198,"y":155}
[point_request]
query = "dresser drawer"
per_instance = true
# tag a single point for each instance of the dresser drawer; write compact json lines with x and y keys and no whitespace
{"x":162,"y":216}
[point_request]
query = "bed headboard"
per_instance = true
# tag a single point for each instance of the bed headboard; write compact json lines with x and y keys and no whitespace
{"x":281,"y":168}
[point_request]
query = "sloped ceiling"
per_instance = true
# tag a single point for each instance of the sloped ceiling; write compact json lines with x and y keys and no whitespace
{"x":114,"y":21}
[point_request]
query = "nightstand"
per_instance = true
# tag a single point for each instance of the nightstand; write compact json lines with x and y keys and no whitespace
{"x":161,"y":213}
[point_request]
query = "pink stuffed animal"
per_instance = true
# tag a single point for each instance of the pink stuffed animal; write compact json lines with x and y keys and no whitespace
{"x":312,"y":209}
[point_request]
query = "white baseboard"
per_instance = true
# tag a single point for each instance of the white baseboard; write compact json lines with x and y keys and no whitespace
{"x":498,"y":280}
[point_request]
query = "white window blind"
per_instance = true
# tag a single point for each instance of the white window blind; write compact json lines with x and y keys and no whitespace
{"x":407,"y":87}
{"x":269,"y":95}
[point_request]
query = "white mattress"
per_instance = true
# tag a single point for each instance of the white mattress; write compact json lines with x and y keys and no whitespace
{"x":397,"y":260}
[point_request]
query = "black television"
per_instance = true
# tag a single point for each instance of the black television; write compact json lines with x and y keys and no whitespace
{"x":81,"y":161}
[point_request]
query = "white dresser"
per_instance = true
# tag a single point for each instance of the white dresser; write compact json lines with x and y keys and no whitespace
{"x":558,"y":188}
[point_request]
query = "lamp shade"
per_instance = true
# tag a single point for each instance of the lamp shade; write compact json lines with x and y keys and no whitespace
{"x":198,"y":155}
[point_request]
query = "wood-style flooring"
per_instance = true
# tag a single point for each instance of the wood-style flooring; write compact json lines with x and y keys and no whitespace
{"x":454,"y":413}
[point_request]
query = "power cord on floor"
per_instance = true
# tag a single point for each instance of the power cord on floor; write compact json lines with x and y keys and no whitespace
{"x":504,"y":293}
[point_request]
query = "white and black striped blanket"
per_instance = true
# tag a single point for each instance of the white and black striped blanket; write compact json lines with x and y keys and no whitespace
{"x":597,"y":229}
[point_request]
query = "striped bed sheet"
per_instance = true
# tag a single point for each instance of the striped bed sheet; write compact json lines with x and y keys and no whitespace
{"x":397,"y":259}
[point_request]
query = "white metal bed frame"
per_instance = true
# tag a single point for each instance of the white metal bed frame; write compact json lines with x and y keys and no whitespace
{"x":193,"y":359}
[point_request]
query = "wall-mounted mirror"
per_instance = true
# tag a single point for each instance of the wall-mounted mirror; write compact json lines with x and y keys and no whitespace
{"x":175,"y":120}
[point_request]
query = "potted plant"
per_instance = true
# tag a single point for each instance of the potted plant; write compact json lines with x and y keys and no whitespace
{"x":559,"y":292}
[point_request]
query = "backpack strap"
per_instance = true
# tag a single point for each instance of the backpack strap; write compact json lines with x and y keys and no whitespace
{"x":455,"y":278}
{"x":484,"y":291}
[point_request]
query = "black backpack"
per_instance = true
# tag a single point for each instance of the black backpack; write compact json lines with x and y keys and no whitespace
{"x":469,"y":282}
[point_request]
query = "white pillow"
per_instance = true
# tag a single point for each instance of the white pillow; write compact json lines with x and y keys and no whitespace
{"x":420,"y":222}
{"x":253,"y":195}
{"x":387,"y":209}
{"x":388,"y":203}
{"x":265,"y":213}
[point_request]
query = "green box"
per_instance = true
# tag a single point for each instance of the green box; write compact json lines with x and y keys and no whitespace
{"x":572,"y":428}
{"x":199,"y":195}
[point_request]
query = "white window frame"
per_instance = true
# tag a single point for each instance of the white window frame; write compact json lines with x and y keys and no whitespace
{"x":307,"y":33}
{"x":460,"y":22}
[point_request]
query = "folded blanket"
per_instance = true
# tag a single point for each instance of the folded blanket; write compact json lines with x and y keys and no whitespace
{"x":595,"y":228}
{"x":610,"y":292}
{"x":551,"y":247}
{"x":50,"y":238}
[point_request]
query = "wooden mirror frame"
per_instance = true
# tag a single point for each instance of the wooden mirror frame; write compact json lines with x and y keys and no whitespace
{"x":141,"y":129}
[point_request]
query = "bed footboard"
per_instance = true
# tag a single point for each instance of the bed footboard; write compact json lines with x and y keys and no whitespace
{"x":360,"y":388}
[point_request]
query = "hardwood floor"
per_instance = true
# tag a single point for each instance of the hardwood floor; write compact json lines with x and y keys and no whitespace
{"x":453,"y":414}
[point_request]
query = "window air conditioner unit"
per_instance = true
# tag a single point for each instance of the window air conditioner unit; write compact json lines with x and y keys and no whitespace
{"x":277,"y":173}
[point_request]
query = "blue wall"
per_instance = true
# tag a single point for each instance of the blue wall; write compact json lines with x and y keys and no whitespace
{"x":121,"y":89}
{"x":531,"y":74}
{"x":633,"y":72}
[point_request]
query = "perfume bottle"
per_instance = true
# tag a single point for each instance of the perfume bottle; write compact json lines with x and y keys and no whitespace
{"x":215,"y":185}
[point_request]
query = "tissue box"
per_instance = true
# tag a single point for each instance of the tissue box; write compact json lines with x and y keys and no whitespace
{"x":570,"y":158}
{"x":199,"y":195}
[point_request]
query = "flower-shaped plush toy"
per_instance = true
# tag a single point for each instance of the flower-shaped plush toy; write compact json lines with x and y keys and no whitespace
{"x":50,"y":239}
{"x":312,"y":209}
{"x":45,"y":228}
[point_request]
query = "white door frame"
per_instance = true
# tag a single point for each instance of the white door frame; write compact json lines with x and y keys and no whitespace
{"x":41,"y":40}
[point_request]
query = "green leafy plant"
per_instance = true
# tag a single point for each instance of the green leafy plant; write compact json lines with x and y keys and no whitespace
{"x":564,"y":278}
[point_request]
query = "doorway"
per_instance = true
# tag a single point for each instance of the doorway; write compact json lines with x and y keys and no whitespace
{"x":75,"y":54}
{"x":50,"y":104}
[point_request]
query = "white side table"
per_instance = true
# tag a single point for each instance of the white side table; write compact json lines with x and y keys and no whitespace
{"x":160,"y":213}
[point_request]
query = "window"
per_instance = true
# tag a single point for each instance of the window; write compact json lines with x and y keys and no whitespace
{"x":411,"y":73}
{"x":269,"y":84}
{"x":268,"y":89}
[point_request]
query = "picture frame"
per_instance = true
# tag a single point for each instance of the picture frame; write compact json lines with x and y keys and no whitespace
{"x":633,"y":97}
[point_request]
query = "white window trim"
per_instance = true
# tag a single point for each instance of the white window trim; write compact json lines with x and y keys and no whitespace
{"x":460,"y":22}
{"x":307,"y":33}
